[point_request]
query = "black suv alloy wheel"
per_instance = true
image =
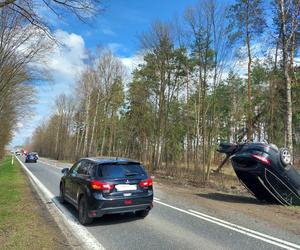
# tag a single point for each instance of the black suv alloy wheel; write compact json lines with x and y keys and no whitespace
{"x":62,"y":193}
{"x":84,"y":219}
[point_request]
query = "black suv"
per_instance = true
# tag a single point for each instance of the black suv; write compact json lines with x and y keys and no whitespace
{"x":31,"y":157}
{"x":98,"y":186}
{"x":266,"y":171}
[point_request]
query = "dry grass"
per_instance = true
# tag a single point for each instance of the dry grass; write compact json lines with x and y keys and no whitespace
{"x":225,"y":181}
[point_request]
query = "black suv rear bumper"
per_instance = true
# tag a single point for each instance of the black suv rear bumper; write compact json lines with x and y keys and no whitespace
{"x":117,"y":210}
{"x":28,"y":161}
{"x":115,"y":206}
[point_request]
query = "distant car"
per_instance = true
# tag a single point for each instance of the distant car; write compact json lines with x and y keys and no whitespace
{"x":36,"y":154}
{"x":98,"y":186}
{"x":31,"y":157}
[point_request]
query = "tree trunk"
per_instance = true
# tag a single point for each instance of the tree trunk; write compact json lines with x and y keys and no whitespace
{"x":104,"y":129}
{"x":86,"y":126}
{"x":289,"y":113}
{"x":81,"y":141}
{"x":271,"y":112}
{"x":285,"y":45}
{"x":188,"y":141}
{"x":249,"y":116}
{"x":57,"y":142}
{"x":77,"y":141}
{"x":111,"y":131}
{"x":94,"y":123}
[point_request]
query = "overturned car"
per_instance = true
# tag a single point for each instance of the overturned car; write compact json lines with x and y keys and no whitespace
{"x":266,"y":171}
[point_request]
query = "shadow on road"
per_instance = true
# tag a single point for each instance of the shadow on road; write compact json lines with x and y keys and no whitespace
{"x":230,"y":198}
{"x":109,"y":219}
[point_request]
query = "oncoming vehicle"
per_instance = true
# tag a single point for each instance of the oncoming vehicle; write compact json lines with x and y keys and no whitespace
{"x":36,"y":154}
{"x":98,"y":186}
{"x":266,"y":171}
{"x":31,"y":157}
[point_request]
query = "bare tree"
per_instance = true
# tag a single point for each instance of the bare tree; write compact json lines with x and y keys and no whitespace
{"x":21,"y":47}
{"x":109,"y":71}
{"x":288,"y":8}
{"x":30,"y":10}
{"x":247,"y":23}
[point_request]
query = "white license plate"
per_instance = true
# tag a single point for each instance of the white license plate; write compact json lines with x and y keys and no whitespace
{"x":125,"y":187}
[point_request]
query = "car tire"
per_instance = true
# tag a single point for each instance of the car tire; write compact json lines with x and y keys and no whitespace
{"x":83,"y":216}
{"x":142,"y":213}
{"x":62,"y":194}
{"x":26,"y":161}
{"x":285,"y":157}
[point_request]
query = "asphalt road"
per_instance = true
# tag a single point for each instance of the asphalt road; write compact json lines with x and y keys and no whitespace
{"x":174,"y":223}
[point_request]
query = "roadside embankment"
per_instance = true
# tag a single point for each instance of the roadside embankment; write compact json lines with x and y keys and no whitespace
{"x":25,"y":223}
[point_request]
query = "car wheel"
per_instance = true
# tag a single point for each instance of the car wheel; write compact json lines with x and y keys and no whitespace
{"x":142,"y":213}
{"x":83,"y":217}
{"x":62,"y":194}
{"x":285,"y":156}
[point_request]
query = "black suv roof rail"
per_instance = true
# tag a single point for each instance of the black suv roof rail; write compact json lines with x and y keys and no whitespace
{"x":107,"y":160}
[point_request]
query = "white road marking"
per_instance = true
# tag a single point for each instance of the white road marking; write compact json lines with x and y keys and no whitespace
{"x":251,"y":233}
{"x":50,"y":165}
{"x":156,"y":199}
{"x":247,"y":230}
{"x":80,"y":231}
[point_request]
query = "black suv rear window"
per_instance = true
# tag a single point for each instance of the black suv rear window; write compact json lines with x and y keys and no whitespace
{"x":121,"y":171}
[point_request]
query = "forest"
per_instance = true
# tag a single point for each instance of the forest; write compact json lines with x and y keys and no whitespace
{"x":214,"y":73}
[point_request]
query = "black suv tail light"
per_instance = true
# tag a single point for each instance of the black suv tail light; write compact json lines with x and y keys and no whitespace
{"x":146,"y":183}
{"x":262,"y":159}
{"x":98,"y":185}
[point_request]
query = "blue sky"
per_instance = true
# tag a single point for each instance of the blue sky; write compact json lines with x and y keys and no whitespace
{"x":118,"y":27}
{"x":122,"y":21}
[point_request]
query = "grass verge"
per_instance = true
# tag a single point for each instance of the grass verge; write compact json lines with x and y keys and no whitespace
{"x":24,"y":221}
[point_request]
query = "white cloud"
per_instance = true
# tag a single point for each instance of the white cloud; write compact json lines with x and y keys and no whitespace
{"x":132,"y":62}
{"x":25,"y":129}
{"x":67,"y":60}
{"x":20,"y":125}
{"x":64,"y":64}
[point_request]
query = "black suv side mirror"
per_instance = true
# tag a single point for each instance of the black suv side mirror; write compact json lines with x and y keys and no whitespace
{"x":65,"y":171}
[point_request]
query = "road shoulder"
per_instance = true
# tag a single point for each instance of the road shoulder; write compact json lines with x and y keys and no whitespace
{"x":232,"y":206}
{"x":78,"y":236}
{"x":25,"y":220}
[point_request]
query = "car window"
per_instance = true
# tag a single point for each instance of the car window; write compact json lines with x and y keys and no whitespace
{"x":86,"y":168}
{"x":91,"y":169}
{"x":120,"y":171}
{"x":83,"y":168}
{"x":75,"y":167}
{"x":282,"y":189}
